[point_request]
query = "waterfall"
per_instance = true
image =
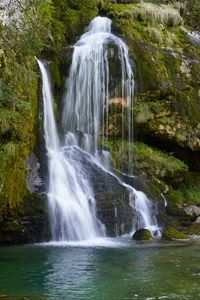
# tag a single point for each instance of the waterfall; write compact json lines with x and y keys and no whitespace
{"x":71,"y":200}
{"x":85,"y":121}
{"x":86,"y":104}
{"x":87,"y":101}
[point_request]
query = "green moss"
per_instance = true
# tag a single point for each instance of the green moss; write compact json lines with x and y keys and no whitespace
{"x":164,"y":166}
{"x":189,"y":195}
{"x":192,"y":195}
{"x":148,"y":162}
{"x":143,"y":113}
{"x":171,"y":233}
{"x":159,"y":119}
{"x":55,"y":70}
{"x":17,"y":131}
{"x":176,"y":196}
{"x":75,"y":16}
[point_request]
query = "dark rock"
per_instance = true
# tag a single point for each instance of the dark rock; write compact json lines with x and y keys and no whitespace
{"x":33,"y":180}
{"x":30,"y":225}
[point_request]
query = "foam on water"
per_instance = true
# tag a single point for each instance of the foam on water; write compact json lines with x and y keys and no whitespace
{"x":97,"y":242}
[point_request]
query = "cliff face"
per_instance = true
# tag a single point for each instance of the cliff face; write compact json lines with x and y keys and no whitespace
{"x":166,"y":70}
{"x":165,"y":60}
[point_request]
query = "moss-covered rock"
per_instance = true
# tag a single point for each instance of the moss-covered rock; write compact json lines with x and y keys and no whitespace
{"x":148,"y":162}
{"x":75,"y":16}
{"x":142,"y":235}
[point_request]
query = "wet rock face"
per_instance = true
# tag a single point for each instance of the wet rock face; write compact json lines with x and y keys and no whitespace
{"x":31,"y":225}
{"x":32,"y":179}
{"x":112,"y":198}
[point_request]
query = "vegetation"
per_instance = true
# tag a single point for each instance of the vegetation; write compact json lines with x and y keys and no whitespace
{"x":171,"y":233}
{"x":148,"y":162}
{"x":188,"y":195}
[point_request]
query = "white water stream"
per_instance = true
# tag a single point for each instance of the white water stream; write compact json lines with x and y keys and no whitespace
{"x":72,"y":204}
{"x":71,"y":199}
{"x":86,"y":104}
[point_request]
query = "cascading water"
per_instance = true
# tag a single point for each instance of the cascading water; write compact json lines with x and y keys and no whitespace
{"x":85,"y":114}
{"x":86,"y":105}
{"x":71,"y":199}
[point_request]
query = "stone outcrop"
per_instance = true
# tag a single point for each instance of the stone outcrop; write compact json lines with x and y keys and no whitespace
{"x":192,"y":210}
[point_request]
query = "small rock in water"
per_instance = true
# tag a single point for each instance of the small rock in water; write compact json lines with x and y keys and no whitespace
{"x":142,"y":235}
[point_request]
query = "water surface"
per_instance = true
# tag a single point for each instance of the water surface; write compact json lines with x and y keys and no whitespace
{"x":116,"y":270}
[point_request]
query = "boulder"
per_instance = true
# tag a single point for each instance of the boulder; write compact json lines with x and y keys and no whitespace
{"x":192,"y":210}
{"x":142,"y":235}
{"x":197,"y":221}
